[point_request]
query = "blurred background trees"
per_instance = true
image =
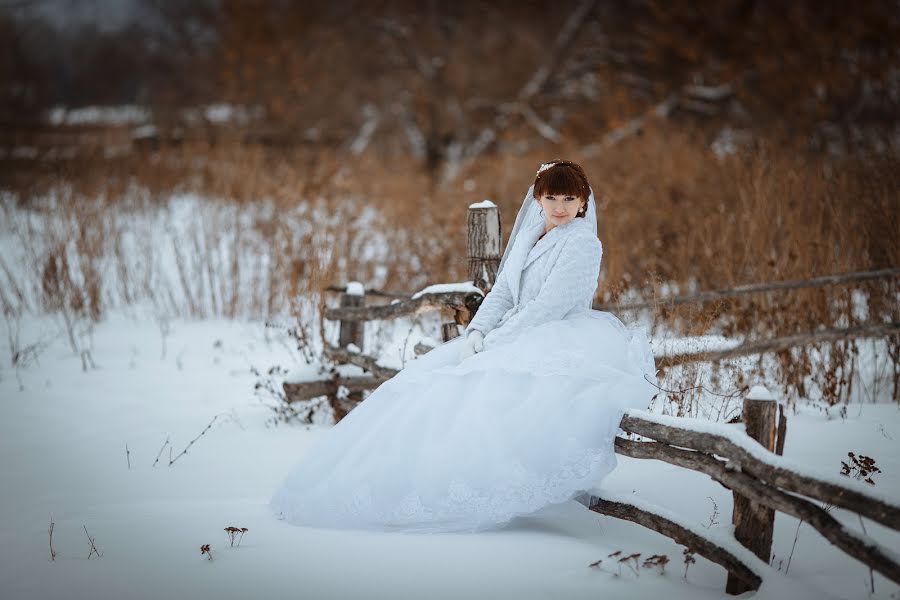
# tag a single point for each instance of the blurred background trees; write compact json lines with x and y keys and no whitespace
{"x":268,"y":149}
{"x":441,"y":83}
{"x":695,"y":120}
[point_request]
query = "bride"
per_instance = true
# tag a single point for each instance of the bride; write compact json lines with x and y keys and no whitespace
{"x":518,"y":414}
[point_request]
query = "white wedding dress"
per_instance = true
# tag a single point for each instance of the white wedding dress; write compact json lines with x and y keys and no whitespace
{"x":450,"y":445}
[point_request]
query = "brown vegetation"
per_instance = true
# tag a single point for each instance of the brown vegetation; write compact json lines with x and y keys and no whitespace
{"x":748,"y":143}
{"x":670,"y":214}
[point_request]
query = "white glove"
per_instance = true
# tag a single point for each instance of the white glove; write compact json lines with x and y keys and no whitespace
{"x":473,"y":343}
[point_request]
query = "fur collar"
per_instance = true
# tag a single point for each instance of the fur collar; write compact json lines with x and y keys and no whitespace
{"x":529,"y":248}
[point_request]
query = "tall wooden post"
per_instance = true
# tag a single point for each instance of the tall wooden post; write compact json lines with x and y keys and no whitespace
{"x":483,"y":243}
{"x":351,"y":332}
{"x":449,"y":330}
{"x":483,"y":253}
{"x":754,"y":523}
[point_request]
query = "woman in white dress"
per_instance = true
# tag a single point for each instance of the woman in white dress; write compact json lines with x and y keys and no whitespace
{"x":518,"y":414}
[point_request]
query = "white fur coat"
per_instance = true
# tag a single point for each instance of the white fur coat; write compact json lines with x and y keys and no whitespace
{"x":541,"y":282}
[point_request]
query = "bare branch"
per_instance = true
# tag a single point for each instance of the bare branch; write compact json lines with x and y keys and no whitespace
{"x":773,"y":469}
{"x":533,"y":86}
{"x":93,"y":549}
{"x":633,"y":126}
{"x":861,"y":548}
{"x":541,"y":126}
{"x":701,"y":544}
{"x":191,"y":443}
{"x":563,"y":40}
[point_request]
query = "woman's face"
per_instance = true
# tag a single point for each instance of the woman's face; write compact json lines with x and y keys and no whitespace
{"x":559,"y":209}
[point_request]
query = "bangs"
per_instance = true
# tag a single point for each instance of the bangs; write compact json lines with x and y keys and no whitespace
{"x":561,"y":180}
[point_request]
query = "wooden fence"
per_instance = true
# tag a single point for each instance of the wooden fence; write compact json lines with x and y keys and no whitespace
{"x":483,"y":258}
{"x":749,"y":464}
{"x":761,"y":482}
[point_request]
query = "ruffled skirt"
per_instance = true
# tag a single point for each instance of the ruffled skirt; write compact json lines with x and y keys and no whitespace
{"x":466,"y":446}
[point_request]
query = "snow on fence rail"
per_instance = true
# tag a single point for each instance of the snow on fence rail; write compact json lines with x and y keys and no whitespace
{"x":785,"y":342}
{"x":755,"y":288}
{"x":749,"y":464}
{"x":458,"y":302}
{"x":762,"y":482}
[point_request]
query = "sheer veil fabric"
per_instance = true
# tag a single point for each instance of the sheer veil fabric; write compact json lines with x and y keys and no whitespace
{"x":450,"y":445}
{"x":529,"y":217}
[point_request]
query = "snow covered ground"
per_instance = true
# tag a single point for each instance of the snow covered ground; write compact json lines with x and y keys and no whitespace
{"x":63,"y":437}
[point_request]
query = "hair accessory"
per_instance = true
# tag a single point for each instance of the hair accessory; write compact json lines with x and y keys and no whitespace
{"x":529,"y":219}
{"x":544,"y":167}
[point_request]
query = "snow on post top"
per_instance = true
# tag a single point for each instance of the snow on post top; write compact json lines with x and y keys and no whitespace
{"x":759,"y":392}
{"x":355,"y":288}
{"x":443,"y":288}
{"x":483,"y":204}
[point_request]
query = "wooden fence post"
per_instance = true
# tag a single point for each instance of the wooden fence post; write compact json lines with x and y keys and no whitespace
{"x":753,"y":522}
{"x":351,"y":332}
{"x":449,"y":330}
{"x":482,"y":254}
{"x":483,"y":243}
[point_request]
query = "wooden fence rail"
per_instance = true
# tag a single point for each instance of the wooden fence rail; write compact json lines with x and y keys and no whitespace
{"x":749,"y":464}
{"x":763,"y":465}
{"x":468,"y":301}
{"x":306,"y":391}
{"x":738,"y":566}
{"x":755,"y":288}
{"x":457,"y":307}
{"x":761,"y":481}
{"x":785,"y":342}
{"x":711,"y":295}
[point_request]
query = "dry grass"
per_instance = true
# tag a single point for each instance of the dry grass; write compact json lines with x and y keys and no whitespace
{"x":243,"y":230}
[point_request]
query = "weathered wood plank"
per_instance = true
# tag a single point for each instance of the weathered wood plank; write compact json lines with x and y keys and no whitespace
{"x":483,"y":244}
{"x":755,"y":288}
{"x":692,"y":540}
{"x":754,"y":523}
{"x":307,"y":390}
{"x":864,"y":550}
{"x":351,"y":331}
{"x":455,"y":300}
{"x":783,"y":343}
{"x":856,"y":500}
{"x":342,"y":355}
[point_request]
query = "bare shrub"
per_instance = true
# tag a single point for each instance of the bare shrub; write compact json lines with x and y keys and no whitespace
{"x":238,"y":230}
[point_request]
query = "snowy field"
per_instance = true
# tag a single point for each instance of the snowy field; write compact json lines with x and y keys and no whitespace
{"x":63,"y":439}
